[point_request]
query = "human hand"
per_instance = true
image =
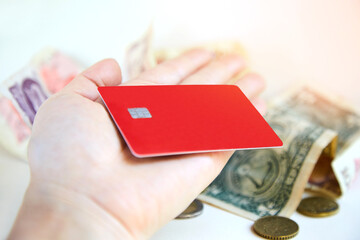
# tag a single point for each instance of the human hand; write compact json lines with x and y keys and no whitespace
{"x":85,"y":181}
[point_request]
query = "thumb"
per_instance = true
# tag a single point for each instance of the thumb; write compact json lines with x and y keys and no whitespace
{"x":104,"y":73}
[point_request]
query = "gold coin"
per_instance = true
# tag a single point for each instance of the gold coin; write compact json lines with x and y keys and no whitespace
{"x":318,"y":207}
{"x":194,"y":210}
{"x":276,"y":227}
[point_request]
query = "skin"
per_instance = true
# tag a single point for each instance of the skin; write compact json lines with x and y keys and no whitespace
{"x":85,"y":183}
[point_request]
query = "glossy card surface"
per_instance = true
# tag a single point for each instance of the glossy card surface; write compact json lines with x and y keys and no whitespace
{"x":159,"y":120}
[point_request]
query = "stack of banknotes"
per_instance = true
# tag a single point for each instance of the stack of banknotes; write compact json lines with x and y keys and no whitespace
{"x":22,"y":94}
{"x":321,"y":134}
{"x":320,"y":153}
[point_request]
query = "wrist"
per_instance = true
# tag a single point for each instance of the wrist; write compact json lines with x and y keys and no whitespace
{"x":52,"y":212}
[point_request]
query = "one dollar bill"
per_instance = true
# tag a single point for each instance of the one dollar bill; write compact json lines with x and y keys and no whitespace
{"x":315,"y":131}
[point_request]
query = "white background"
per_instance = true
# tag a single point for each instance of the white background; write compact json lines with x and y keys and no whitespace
{"x":286,"y":41}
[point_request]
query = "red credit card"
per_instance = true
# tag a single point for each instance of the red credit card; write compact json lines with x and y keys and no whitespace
{"x":159,"y":120}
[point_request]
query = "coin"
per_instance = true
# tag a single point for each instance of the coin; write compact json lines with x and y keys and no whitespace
{"x":318,"y":207}
{"x":276,"y":227}
{"x":193,"y":210}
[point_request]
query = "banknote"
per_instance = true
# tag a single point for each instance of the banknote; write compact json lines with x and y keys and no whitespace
{"x":55,"y":69}
{"x":47,"y":73}
{"x":257,"y":183}
{"x":139,"y":55}
{"x":321,"y":153}
{"x":324,"y":109}
{"x":337,"y":166}
{"x":22,"y":94}
{"x":15,"y":132}
{"x":335,"y":169}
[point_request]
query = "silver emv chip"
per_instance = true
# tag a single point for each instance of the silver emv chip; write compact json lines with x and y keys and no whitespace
{"x":139,"y":113}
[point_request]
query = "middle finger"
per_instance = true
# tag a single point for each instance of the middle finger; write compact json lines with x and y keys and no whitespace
{"x":219,"y":71}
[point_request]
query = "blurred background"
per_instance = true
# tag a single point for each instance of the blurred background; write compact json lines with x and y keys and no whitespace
{"x":287,"y":42}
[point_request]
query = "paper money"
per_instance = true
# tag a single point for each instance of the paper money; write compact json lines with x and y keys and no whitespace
{"x":315,"y":129}
{"x":55,"y":69}
{"x":15,"y":132}
{"x":139,"y":56}
{"x":23,"y":93}
{"x":336,"y":169}
{"x":337,"y":166}
{"x":257,"y":183}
